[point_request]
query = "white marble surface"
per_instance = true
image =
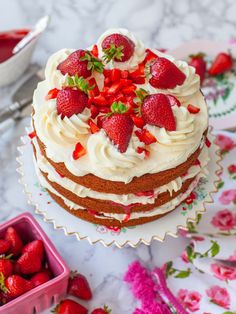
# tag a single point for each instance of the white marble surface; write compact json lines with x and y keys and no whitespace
{"x":158,"y":23}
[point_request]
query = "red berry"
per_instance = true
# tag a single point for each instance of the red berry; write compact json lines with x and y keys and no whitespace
{"x":6,"y":267}
{"x":52,"y":94}
{"x":156,"y":110}
{"x":70,"y":102}
{"x":68,"y":306}
{"x":105,"y":309}
{"x":93,"y":126}
{"x":115,"y":75}
{"x":4,"y":246}
{"x":149,"y":56}
{"x":192,"y":109}
{"x":29,"y":263}
{"x":40,"y":278}
{"x":141,"y":150}
{"x":73,"y":65}
{"x":118,"y":47}
{"x":198,"y":62}
{"x":79,"y":151}
{"x":165,"y":74}
{"x":119,"y":128}
{"x":79,"y":287}
{"x":222,"y":63}
{"x":145,"y":136}
{"x":36,"y":246}
{"x":138,"y":121}
{"x":16,"y":286}
{"x":32,"y":134}
{"x":94,"y":51}
{"x":12,"y":236}
{"x":173,"y":101}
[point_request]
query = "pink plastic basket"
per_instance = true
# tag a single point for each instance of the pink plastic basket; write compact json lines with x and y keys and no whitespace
{"x":44,"y":296}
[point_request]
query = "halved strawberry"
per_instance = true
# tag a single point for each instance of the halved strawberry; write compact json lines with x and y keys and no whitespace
{"x":165,"y":74}
{"x":149,"y":56}
{"x":93,"y":126}
{"x":156,"y":110}
{"x":52,"y":94}
{"x":94,"y":90}
{"x":79,"y":151}
{"x":141,"y":150}
{"x":145,"y":136}
{"x":124,"y":74}
{"x":73,"y":65}
{"x":117,"y":47}
{"x":193,"y":109}
{"x":197,"y":61}
{"x":70,"y":102}
{"x":222,"y":63}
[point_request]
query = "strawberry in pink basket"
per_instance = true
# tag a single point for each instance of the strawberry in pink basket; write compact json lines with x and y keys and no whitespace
{"x":79,"y":287}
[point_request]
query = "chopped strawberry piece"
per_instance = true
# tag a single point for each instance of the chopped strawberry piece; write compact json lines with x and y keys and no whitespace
{"x":107,"y":81}
{"x":115,"y":75}
{"x":138,"y":121}
{"x":207,"y":142}
{"x":129,"y":89}
{"x":79,"y":151}
{"x":94,"y":111}
{"x":145,"y":136}
{"x":104,"y":109}
{"x":192,"y":109}
{"x":149,"y":56}
{"x":99,"y":100}
{"x":93,"y":126}
{"x":118,"y":97}
{"x":139,"y":80}
{"x":95,"y":91}
{"x":146,"y":193}
{"x":173,"y":101}
{"x":107,"y":73}
{"x":126,"y":82}
{"x":94,"y":51}
{"x":115,"y":87}
{"x":138,"y":72}
{"x":124,"y":74}
{"x":141,"y":150}
{"x":32,"y":134}
{"x":52,"y":94}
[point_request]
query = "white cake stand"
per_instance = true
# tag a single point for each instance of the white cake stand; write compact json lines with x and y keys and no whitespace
{"x":133,"y":236}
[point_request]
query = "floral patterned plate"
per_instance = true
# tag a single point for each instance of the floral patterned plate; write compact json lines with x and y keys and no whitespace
{"x":219,"y":91}
{"x":157,"y":230}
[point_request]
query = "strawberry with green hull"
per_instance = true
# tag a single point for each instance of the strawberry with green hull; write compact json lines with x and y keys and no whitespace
{"x":6,"y":266}
{"x":100,"y":310}
{"x":68,"y":306}
{"x":15,"y":285}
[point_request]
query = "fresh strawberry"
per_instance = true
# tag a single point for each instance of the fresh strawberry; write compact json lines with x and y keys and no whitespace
{"x":222,"y":63}
{"x":52,"y":94}
{"x":149,"y":56}
{"x":40,"y":278}
{"x":165,"y":74}
{"x":197,"y":61}
{"x":145,"y":136}
{"x":124,"y":74}
{"x":115,"y":75}
{"x":6,"y":267}
{"x":192,"y":109}
{"x":105,"y":309}
{"x":141,"y":150}
{"x":94,"y":111}
{"x":99,"y":100}
{"x":173,"y":101}
{"x":36,"y":247}
{"x":156,"y":110}
{"x":12,"y":236}
{"x":79,"y":151}
{"x":138,"y":121}
{"x":117,"y":47}
{"x":29,"y":263}
{"x":73,"y":65}
{"x":68,"y":306}
{"x":78,"y":286}
{"x":4,"y":246}
{"x":100,"y":120}
{"x":15,"y":286}
{"x":93,"y":126}
{"x":94,"y":51}
{"x":32,"y":134}
{"x":119,"y":128}
{"x":70,"y":102}
{"x":115,"y":87}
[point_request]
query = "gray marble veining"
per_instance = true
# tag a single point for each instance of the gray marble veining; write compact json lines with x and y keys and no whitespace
{"x":159,"y":23}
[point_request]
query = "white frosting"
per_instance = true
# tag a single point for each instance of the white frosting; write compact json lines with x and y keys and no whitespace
{"x":102,"y":158}
{"x":126,"y":199}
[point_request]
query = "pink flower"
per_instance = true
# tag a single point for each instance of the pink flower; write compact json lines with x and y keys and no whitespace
{"x":190,"y":299}
{"x":228,"y":196}
{"x":232,"y":168}
{"x":232,"y":257}
{"x":219,"y":296}
{"x":225,"y":143}
{"x":224,"y":220}
{"x":184,"y":257}
{"x":223,"y":272}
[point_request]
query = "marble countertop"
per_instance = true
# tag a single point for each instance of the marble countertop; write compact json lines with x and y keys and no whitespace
{"x":78,"y":24}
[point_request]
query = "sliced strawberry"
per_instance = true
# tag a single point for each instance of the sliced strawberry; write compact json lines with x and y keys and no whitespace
{"x":93,"y":126}
{"x":222,"y":63}
{"x":94,"y":51}
{"x":79,"y":151}
{"x":149,"y":56}
{"x":94,"y":111}
{"x":124,"y":74}
{"x":156,"y":110}
{"x":117,"y":47}
{"x":70,"y":102}
{"x":119,"y":128}
{"x":141,"y":150}
{"x":129,"y":90}
{"x":73,"y":65}
{"x":99,"y":100}
{"x":197,"y":61}
{"x":145,"y":136}
{"x":52,"y":94}
{"x":193,"y":109}
{"x":115,"y":87}
{"x":165,"y":74}
{"x":95,"y":90}
{"x":103,"y":109}
{"x":150,"y":193}
{"x":107,"y":81}
{"x":32,"y":134}
{"x":107,"y":73}
{"x":138,"y":121}
{"x":115,"y":75}
{"x":139,"y":80}
{"x":173,"y":101}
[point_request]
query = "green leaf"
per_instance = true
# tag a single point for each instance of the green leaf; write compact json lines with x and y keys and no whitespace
{"x":168,"y":268}
{"x":183,"y":273}
{"x":229,"y":312}
{"x":79,"y":82}
{"x":215,"y":248}
{"x":226,"y":93}
{"x":190,"y":253}
{"x":94,"y":64}
{"x":220,"y":185}
{"x":118,"y":107}
{"x":112,"y":53}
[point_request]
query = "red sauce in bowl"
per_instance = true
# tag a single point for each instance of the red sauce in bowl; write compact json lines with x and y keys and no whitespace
{"x":8,"y":40}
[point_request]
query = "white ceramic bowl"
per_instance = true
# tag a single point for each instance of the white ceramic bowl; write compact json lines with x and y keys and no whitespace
{"x":14,"y":67}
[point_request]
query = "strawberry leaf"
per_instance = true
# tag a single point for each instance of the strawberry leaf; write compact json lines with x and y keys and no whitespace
{"x":118,"y":107}
{"x":79,"y":82}
{"x":94,"y":64}
{"x":112,"y":53}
